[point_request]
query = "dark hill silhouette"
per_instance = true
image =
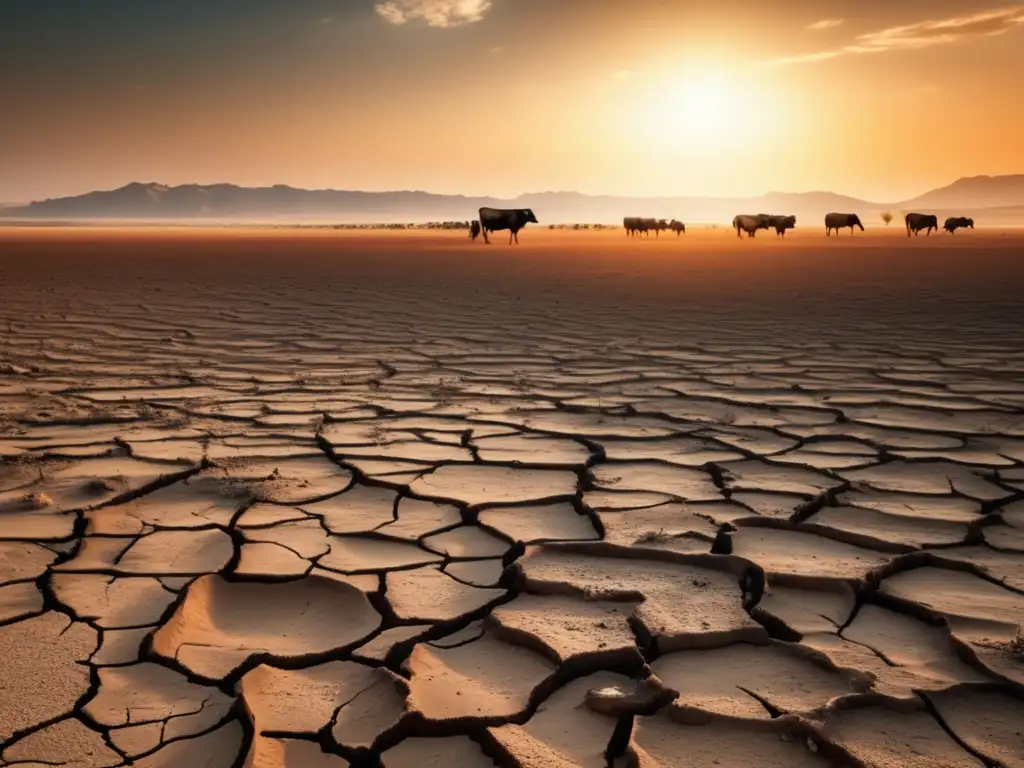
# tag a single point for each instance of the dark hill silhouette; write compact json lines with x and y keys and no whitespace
{"x":153,"y":201}
{"x":975,"y":192}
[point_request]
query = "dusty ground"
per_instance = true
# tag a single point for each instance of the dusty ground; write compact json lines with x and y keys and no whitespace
{"x":336,"y":498}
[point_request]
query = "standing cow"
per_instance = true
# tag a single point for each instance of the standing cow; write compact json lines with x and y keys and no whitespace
{"x":953,"y":223}
{"x":839,"y":221}
{"x":496,"y":219}
{"x":750,"y":224}
{"x":678,"y":227}
{"x":781,"y":223}
{"x":474,"y":231}
{"x":635,"y":225}
{"x":918,"y":221}
{"x":657,"y":226}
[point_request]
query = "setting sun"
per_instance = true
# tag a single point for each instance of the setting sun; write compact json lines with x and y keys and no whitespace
{"x":709,"y":108}
{"x":702,"y":109}
{"x":712,"y":111}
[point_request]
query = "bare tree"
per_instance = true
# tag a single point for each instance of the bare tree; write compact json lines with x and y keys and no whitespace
{"x":887,"y":218}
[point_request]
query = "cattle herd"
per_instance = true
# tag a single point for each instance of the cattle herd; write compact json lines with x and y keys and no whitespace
{"x":637,"y":226}
{"x":916,"y":223}
{"x":495,"y":219}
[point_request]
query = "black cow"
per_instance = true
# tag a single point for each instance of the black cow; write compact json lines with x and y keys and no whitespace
{"x":781,"y":223}
{"x":496,"y":219}
{"x":634,"y":225}
{"x":657,"y":226}
{"x":918,"y":221}
{"x":750,"y":224}
{"x":953,"y":223}
{"x":474,"y":230}
{"x":839,"y":221}
{"x":678,"y":227}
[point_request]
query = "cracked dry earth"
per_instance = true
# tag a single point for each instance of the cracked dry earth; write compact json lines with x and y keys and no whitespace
{"x":274,"y":502}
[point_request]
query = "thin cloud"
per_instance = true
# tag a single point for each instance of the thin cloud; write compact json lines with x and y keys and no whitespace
{"x":929,"y":33}
{"x":622,"y":74}
{"x":435,"y":13}
{"x":825,"y":24}
{"x":804,"y":58}
{"x":923,"y":34}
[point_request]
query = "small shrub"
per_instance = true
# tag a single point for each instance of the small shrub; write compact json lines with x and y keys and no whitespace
{"x":445,"y":390}
{"x":35,"y":501}
{"x":99,"y":485}
{"x":1017,"y":644}
{"x":1014,"y":647}
{"x":654,"y":537}
{"x":379,"y":435}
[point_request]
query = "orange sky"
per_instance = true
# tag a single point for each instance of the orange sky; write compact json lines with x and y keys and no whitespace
{"x":879,"y":100}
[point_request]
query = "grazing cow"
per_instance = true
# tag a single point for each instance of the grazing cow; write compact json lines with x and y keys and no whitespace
{"x":953,"y":223}
{"x":474,"y":231}
{"x":637,"y":226}
{"x":918,"y":221}
{"x":839,"y":221}
{"x":781,"y":224}
{"x":678,"y":227}
{"x":496,"y":219}
{"x":657,"y":226}
{"x":750,"y":224}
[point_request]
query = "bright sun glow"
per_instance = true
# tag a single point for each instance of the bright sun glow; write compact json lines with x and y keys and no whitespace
{"x":709,"y":111}
{"x":704,"y":109}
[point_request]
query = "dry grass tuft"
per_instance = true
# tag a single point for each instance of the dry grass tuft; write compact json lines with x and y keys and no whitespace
{"x":446,"y":389}
{"x":1016,"y":646}
{"x":35,"y":501}
{"x":654,"y":537}
{"x":99,"y":485}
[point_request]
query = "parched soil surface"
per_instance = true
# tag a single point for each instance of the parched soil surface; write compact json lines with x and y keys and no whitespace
{"x":315,"y":499}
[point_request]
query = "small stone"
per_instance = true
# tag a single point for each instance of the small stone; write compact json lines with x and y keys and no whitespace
{"x":644,"y":697}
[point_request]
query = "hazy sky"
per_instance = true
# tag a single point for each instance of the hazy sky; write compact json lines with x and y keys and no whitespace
{"x":878,"y":99}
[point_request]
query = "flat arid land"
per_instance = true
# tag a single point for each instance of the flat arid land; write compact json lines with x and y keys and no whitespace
{"x":272,"y":499}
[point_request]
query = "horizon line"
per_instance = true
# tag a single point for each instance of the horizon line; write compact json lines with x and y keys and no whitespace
{"x":496,"y":197}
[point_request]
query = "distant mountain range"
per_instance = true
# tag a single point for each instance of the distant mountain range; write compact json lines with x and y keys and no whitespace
{"x":989,"y":199}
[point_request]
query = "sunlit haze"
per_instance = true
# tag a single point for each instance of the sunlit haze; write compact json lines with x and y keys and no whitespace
{"x":879,"y":100}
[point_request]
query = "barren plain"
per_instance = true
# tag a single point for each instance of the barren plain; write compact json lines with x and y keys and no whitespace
{"x":317,"y":499}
